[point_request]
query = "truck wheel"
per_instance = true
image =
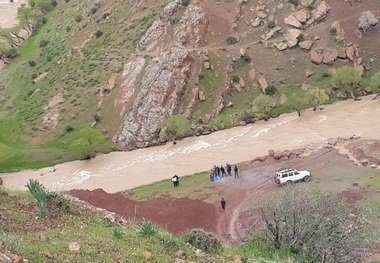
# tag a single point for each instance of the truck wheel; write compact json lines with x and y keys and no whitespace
{"x":306,"y":179}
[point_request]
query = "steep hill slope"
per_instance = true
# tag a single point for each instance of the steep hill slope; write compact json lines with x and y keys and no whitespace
{"x":125,"y":66}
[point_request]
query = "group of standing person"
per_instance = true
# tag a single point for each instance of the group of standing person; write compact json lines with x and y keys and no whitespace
{"x":217,"y":173}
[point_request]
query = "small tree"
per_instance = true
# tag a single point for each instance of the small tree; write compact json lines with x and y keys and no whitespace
{"x":264,"y":104}
{"x":40,"y":193}
{"x":317,"y":97}
{"x":174,"y":127}
{"x":347,"y":78}
{"x":299,"y":101}
{"x":315,"y":226}
{"x":374,"y":83}
{"x":367,"y":20}
{"x":86,"y":142}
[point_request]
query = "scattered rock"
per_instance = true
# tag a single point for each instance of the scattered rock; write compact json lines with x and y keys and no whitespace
{"x":280,"y":6}
{"x":278,"y":155}
{"x":206,"y":65}
{"x":271,"y":153}
{"x":316,"y":56}
{"x":319,"y":14}
{"x":309,"y":73}
{"x":305,"y":86}
{"x":257,"y":22}
{"x":205,"y":119}
{"x":306,"y":45}
{"x":263,"y":84}
{"x":237,"y":259}
{"x":306,"y":3}
{"x":261,"y":14}
{"x":329,"y":56}
{"x":201,"y":96}
{"x":350,"y":52}
{"x":292,"y":21}
{"x":342,"y":53}
{"x":242,"y":123}
{"x":291,"y":37}
{"x":271,"y":32}
{"x":302,"y":15}
{"x":230,"y":104}
{"x":242,"y":51}
{"x":241,"y":82}
{"x":252,"y":73}
{"x":74,"y":246}
{"x":281,"y":46}
{"x":339,"y":31}
{"x":43,"y":236}
{"x":198,"y":132}
{"x":110,"y":218}
{"x":147,"y":255}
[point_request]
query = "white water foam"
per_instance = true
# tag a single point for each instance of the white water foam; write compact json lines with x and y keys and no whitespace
{"x":80,"y":176}
{"x":165,"y":154}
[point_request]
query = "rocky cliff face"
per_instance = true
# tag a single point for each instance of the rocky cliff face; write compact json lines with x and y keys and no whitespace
{"x":157,"y":78}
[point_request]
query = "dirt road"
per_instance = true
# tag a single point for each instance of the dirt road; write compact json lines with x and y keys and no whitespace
{"x":119,"y":171}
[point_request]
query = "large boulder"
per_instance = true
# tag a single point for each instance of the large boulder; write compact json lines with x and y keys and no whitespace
{"x":339,"y":31}
{"x":330,"y":55}
{"x":306,"y":45}
{"x":350,"y":52}
{"x":319,"y":14}
{"x":291,"y":37}
{"x":281,"y":46}
{"x":263,"y":84}
{"x":302,"y":15}
{"x":316,"y":56}
{"x":292,"y":21}
{"x":271,"y":32}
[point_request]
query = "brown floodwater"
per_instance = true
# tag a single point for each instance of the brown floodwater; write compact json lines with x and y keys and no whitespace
{"x":120,"y":171}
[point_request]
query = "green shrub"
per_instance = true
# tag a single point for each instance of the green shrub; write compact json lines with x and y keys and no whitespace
{"x":32,"y":63}
{"x":10,"y":241}
{"x":333,"y":31}
{"x":147,"y":228}
{"x":43,"y":43}
{"x":235,"y":78}
{"x":247,"y":116}
{"x":117,"y":233}
{"x":231,"y":40}
{"x":203,"y":240}
{"x":185,"y":2}
{"x":98,"y":33}
{"x":301,"y":38}
{"x":60,"y":201}
{"x":294,"y":2}
{"x":271,"y":24}
{"x":167,"y":239}
{"x":78,"y":18}
{"x":40,"y":193}
{"x":271,"y":90}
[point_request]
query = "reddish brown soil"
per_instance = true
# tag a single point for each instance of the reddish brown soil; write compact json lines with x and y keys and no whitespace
{"x":330,"y":171}
{"x":176,"y":215}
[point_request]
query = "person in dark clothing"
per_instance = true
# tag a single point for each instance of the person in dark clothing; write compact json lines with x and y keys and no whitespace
{"x":236,"y":169}
{"x":223,"y":203}
{"x":223,"y":171}
{"x":218,"y":171}
{"x":212,"y":175}
{"x":176,"y":176}
{"x":174,"y":180}
{"x":229,"y":169}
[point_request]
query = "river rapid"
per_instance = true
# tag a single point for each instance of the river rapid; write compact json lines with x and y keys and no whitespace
{"x":118,"y":171}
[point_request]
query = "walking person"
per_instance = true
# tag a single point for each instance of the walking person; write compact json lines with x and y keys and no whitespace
{"x":174,"y":180}
{"x":223,"y":203}
{"x":223,"y":171}
{"x":236,"y":170}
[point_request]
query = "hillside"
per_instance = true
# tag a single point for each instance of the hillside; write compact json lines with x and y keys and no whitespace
{"x":125,"y":66}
